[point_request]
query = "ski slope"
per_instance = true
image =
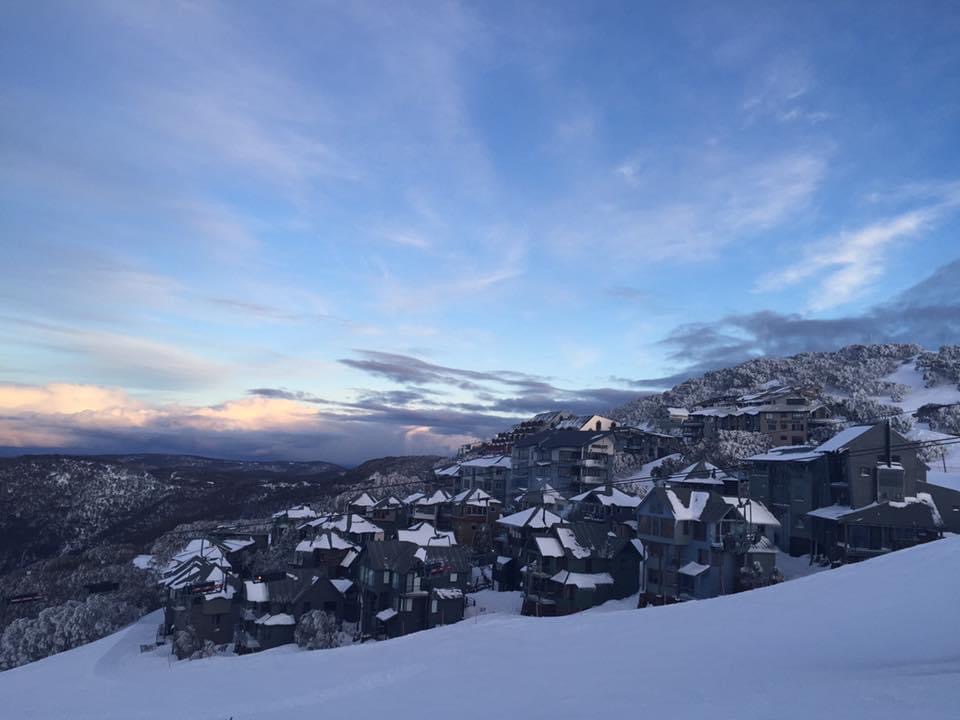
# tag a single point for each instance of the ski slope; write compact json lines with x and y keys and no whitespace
{"x":878,"y":640}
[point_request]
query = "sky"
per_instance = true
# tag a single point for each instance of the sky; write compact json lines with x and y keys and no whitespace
{"x":310,"y":230}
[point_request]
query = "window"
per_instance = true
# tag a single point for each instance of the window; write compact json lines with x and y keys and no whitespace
{"x":407,"y":605}
{"x":433,"y":605}
{"x":453,"y":577}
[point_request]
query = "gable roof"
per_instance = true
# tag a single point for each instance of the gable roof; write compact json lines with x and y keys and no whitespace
{"x":438,"y":498}
{"x":347,"y":523}
{"x":400,"y":556}
{"x":299,"y":512}
{"x":535,"y":517}
{"x":501,"y":461}
{"x":688,"y":504}
{"x":753,"y":511}
{"x":581,"y":540}
{"x":364,"y":499}
{"x":608,"y":496}
{"x":474,"y":496}
{"x":701,"y":473}
{"x":842,"y":438}
{"x":326,"y":540}
{"x":545,"y":495}
{"x":426,"y":535}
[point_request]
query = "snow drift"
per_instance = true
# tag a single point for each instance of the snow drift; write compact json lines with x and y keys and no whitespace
{"x":876,"y":640}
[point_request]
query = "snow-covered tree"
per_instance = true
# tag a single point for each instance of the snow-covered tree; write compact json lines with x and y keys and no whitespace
{"x":319,"y":630}
{"x":63,"y":627}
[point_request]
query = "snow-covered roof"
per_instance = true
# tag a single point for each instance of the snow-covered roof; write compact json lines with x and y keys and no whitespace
{"x":438,"y":498}
{"x":584,"y":581}
{"x":351,"y":523}
{"x":475,"y":496}
{"x":448,"y":471}
{"x":698,"y":501}
{"x":763,"y":545}
{"x":753,"y":511}
{"x":325,"y":541}
{"x":257,"y":591}
{"x":788,"y":453}
{"x":842,"y":438}
{"x":349,"y":558}
{"x":535,"y":517}
{"x":549,"y":547}
{"x":200,"y":547}
{"x":277,"y":619}
{"x":638,"y":544}
{"x":609,"y":497}
{"x":503,"y":560}
{"x":502,"y":461}
{"x":341,"y":584}
{"x":568,"y":539}
{"x":364,"y":500}
{"x":692,"y":569}
{"x":426,"y":535}
{"x":701,"y":473}
{"x":300,"y":512}
{"x":413,"y":497}
{"x":831,"y":512}
{"x":448,"y":593}
{"x":385,"y":615}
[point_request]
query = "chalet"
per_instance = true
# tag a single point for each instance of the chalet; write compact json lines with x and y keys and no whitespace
{"x":431,"y":508}
{"x":944,"y":489}
{"x":362,"y":504}
{"x":515,"y":533}
{"x":697,"y":541}
{"x":325,"y":553}
{"x":544,"y":496}
{"x":199,"y":593}
{"x":576,"y":566}
{"x":390,"y":514}
{"x":472,"y":515}
{"x":290,"y":519}
{"x":406,"y":588}
{"x":605,"y":503}
{"x":272,"y":609}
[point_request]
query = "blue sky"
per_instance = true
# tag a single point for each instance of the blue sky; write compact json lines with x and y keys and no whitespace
{"x":337,"y":230}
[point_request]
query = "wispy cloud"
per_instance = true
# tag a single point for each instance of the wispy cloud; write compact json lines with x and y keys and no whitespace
{"x":846,"y":264}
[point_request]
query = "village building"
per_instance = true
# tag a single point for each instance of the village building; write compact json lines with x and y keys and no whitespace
{"x":406,"y":588}
{"x":545,"y":496}
{"x":575,"y":566}
{"x":818,"y":494}
{"x":472,"y":514}
{"x":431,"y":508}
{"x":513,"y":537}
{"x":490,"y":473}
{"x":272,"y":609}
{"x":325,"y":554}
{"x":569,"y":460}
{"x":198,"y":593}
{"x":700,"y":544}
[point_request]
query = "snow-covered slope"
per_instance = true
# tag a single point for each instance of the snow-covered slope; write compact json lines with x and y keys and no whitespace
{"x":876,"y":640}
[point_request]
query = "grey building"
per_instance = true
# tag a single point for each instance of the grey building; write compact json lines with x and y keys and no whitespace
{"x":576,"y":566}
{"x":859,"y":466}
{"x":406,"y":588}
{"x":699,"y":544}
{"x":570,"y":461}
